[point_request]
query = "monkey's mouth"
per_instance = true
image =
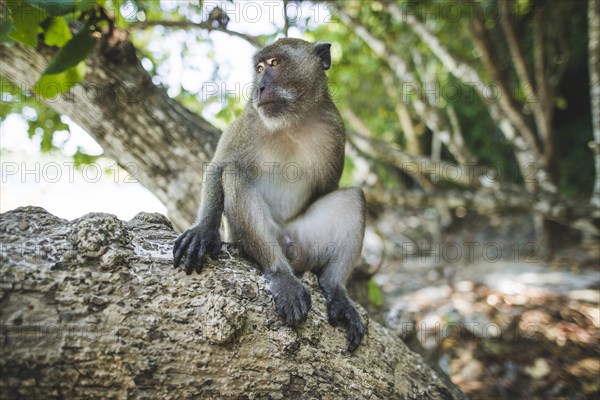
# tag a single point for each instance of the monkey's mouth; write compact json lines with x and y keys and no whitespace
{"x":262,"y":103}
{"x":270,"y":108}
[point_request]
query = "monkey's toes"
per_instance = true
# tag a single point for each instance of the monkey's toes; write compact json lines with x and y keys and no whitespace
{"x":340,"y":311}
{"x":336,"y":313}
{"x":356,"y":331}
{"x":293,"y":306}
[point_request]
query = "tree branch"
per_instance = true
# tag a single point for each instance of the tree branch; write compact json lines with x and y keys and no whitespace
{"x":489,"y":194}
{"x":514,"y":48}
{"x":527,"y":156}
{"x":286,"y":20}
{"x":457,"y":144}
{"x":411,"y":164}
{"x":543,"y":88}
{"x":206,"y":25}
{"x":431,"y":116}
{"x":405,"y":161}
{"x":446,"y":135}
{"x":93,"y":309}
{"x":539,"y":102}
{"x":412,"y":141}
{"x":492,"y":200}
{"x":594,"y":65}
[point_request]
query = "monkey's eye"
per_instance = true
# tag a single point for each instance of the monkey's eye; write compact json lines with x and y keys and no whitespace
{"x":260,"y":68}
{"x":273,"y":62}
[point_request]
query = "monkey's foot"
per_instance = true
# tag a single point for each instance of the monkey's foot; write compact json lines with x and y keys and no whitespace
{"x":292,"y":300}
{"x":341,"y":312}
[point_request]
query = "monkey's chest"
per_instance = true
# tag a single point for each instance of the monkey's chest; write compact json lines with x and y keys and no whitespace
{"x":292,"y":168}
{"x":287,"y":186}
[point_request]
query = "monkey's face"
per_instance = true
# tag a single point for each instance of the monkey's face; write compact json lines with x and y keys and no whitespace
{"x":289,"y":81}
{"x":271,"y":97}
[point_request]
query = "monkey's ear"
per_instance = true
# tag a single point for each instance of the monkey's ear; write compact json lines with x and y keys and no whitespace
{"x":322,"y":51}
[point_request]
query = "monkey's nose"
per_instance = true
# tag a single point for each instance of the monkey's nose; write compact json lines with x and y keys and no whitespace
{"x":260,"y":91}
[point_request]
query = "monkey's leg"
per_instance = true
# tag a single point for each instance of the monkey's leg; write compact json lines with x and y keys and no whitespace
{"x":252,"y":226}
{"x":330,"y":235}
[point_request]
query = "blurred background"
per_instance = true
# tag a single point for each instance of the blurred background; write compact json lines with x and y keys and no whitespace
{"x":473,"y":128}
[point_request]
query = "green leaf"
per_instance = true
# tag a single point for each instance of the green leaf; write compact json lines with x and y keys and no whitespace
{"x":374,"y":293}
{"x":57,"y":33}
{"x":85,"y":5}
{"x":54,"y":7}
{"x":50,"y":86}
{"x":6,"y":27}
{"x":31,"y":132}
{"x":26,"y":20}
{"x":80,"y":158}
{"x":560,"y":102}
{"x":46,"y":144}
{"x":71,"y":54}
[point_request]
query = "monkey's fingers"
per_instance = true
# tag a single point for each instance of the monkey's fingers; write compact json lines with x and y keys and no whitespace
{"x":180,"y":247}
{"x":200,"y":256}
{"x":192,"y":254}
{"x":179,"y":240}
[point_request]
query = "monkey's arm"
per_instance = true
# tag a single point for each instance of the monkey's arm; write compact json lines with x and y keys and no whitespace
{"x":193,"y":245}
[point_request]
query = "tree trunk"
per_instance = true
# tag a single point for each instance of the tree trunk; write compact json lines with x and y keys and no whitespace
{"x":160,"y":142}
{"x":93,"y":309}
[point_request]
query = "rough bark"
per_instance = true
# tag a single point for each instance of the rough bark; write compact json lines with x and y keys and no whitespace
{"x":160,"y":142}
{"x":92,"y":308}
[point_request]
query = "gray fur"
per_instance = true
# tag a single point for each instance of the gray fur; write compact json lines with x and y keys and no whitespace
{"x":275,"y":177}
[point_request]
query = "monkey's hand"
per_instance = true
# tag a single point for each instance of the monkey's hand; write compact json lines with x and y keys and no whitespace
{"x":292,"y":300}
{"x":193,"y":245}
{"x":341,"y":311}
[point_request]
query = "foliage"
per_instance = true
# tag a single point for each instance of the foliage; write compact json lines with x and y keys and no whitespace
{"x":357,"y":70}
{"x":374,"y":293}
{"x":43,"y":121}
{"x":74,"y":25}
{"x":25,"y":19}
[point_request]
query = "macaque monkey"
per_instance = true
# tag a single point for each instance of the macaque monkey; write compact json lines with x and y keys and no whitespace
{"x":275,"y":175}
